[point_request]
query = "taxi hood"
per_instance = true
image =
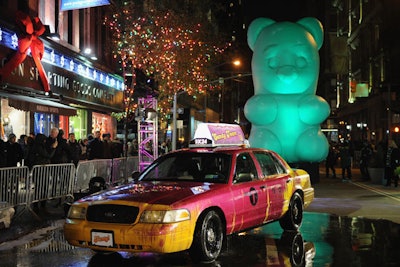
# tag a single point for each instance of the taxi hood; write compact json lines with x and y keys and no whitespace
{"x":164,"y":193}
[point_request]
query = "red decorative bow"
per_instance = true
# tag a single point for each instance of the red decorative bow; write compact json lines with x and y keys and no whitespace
{"x":32,"y":29}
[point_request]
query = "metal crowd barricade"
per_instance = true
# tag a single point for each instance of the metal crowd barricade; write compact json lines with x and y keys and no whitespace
{"x":52,"y":181}
{"x":21,"y":187}
{"x":14,"y":187}
{"x":132,"y":164}
{"x":89,"y":169}
{"x":122,"y":169}
{"x":119,"y":174}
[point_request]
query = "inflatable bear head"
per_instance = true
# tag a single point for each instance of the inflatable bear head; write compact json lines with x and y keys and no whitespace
{"x":285,"y":55}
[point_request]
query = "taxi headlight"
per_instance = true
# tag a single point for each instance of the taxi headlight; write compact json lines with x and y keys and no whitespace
{"x":77,"y":212}
{"x":164,"y":216}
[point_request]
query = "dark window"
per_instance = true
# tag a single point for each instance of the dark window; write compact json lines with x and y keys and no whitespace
{"x":70,"y":26}
{"x":245,"y":169}
{"x":204,"y":167}
{"x":269,"y":164}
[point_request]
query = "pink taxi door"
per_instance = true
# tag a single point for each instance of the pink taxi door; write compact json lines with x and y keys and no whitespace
{"x":248,"y":193}
{"x":275,"y":178}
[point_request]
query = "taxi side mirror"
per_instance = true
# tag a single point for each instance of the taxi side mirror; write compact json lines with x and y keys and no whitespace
{"x":244,"y":177}
{"x":135,"y":176}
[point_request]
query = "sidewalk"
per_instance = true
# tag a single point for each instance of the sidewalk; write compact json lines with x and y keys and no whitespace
{"x":369,"y":199}
{"x":25,"y":222}
{"x":356,"y":178}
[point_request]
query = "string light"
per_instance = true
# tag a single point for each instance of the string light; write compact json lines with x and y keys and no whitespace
{"x":173,"y":49}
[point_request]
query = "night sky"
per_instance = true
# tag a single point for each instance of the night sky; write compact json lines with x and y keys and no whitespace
{"x":278,"y":10}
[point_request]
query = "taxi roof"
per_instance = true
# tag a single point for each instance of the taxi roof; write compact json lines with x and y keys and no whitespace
{"x":218,"y":135}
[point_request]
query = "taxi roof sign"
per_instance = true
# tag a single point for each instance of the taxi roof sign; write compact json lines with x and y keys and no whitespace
{"x":218,"y":134}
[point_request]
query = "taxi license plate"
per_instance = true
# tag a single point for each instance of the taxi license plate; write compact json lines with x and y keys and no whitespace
{"x":102,"y":239}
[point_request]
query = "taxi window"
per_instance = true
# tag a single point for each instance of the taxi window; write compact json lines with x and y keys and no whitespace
{"x":269,"y":164}
{"x":279,"y":167}
{"x":201,"y":167}
{"x":245,"y":170}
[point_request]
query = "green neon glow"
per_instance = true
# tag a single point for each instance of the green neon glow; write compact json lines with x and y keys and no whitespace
{"x":285,"y":111}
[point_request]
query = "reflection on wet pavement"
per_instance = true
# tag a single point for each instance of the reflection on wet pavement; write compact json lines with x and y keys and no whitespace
{"x":323,"y":240}
{"x":247,"y":249}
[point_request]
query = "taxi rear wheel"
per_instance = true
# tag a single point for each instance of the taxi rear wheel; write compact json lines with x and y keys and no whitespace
{"x":208,"y":238}
{"x":294,"y":216}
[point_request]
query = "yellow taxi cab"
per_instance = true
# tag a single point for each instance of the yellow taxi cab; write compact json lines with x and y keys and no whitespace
{"x":192,"y":199}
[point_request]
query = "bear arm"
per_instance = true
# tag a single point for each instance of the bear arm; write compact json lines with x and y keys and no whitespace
{"x":261,"y":109}
{"x":313,"y":109}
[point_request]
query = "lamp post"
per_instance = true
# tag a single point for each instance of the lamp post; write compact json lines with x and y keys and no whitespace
{"x":221,"y":81}
{"x":174,"y":123}
{"x":234,"y":64}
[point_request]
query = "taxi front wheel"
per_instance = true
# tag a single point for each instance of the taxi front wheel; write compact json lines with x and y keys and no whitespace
{"x":208,"y":238}
{"x":294,"y":216}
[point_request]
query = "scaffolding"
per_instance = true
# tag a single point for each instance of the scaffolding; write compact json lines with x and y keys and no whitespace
{"x":147,"y":131}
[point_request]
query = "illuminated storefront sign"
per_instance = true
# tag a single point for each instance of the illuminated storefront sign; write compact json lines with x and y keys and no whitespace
{"x":10,"y":39}
{"x":67,"y":76}
{"x":78,"y":4}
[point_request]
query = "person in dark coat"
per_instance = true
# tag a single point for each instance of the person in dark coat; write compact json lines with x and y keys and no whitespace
{"x":345,"y":159}
{"x":330,"y":162}
{"x":23,"y":138}
{"x":117,"y":148}
{"x":52,"y":138}
{"x":392,"y":161}
{"x":107,"y":146}
{"x":366,"y":154}
{"x":15,"y":153}
{"x":83,"y":144}
{"x":38,"y":153}
{"x":95,"y":147}
{"x":63,"y":151}
{"x":29,"y":143}
{"x":74,"y":148}
{"x":3,"y":153}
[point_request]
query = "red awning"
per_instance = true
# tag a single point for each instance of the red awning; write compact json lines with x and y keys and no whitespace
{"x":28,"y":103}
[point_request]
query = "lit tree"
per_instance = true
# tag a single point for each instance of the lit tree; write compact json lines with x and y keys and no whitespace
{"x":173,"y":48}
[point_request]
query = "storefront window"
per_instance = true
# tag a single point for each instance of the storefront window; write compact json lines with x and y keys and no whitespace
{"x":44,"y":122}
{"x":104,"y":123}
{"x":12,"y":121}
{"x":78,"y":124}
{"x":64,"y":124}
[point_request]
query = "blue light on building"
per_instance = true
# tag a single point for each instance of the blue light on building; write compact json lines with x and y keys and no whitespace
{"x":51,"y":56}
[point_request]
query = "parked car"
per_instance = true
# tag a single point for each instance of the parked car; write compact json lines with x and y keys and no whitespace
{"x":192,"y":199}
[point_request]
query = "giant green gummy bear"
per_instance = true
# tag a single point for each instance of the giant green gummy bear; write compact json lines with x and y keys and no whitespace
{"x":285,"y":111}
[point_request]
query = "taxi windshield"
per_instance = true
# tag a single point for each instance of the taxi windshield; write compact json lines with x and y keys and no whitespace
{"x":199,"y":167}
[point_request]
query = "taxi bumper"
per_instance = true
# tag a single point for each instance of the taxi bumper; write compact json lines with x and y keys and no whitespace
{"x":159,"y":238}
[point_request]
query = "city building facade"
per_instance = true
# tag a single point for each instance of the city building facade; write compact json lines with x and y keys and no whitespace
{"x":361,"y":70}
{"x":58,"y":84}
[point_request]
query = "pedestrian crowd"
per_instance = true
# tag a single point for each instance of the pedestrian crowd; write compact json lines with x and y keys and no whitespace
{"x":38,"y":149}
{"x":385,"y":155}
{"x":343,"y":151}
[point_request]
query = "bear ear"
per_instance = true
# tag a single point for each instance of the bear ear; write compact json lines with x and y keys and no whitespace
{"x":314,"y":26}
{"x":255,"y":27}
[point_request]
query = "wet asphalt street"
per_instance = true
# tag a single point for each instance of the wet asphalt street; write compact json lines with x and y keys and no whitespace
{"x":348,"y":224}
{"x":356,"y":198}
